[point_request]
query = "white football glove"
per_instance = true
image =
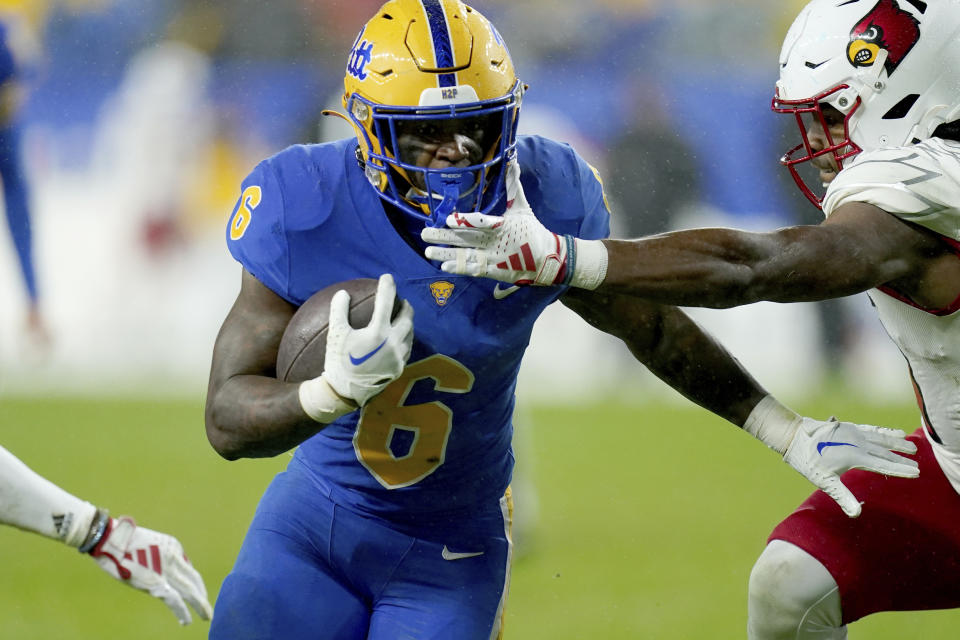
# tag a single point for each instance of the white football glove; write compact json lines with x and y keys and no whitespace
{"x":515,"y":247}
{"x":359,"y":363}
{"x":823,"y":451}
{"x":153,"y":562}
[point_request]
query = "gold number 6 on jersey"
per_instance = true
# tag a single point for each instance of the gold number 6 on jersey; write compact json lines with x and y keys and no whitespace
{"x":430,"y":423}
{"x":249,"y":200}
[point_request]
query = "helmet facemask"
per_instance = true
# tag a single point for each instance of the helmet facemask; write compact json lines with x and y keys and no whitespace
{"x":809,"y":111}
{"x":401,"y":139}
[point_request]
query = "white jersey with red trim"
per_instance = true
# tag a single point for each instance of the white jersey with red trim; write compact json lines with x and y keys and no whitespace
{"x":920,"y":184}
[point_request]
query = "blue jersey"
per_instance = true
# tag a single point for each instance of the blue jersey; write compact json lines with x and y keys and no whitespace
{"x":437,"y":440}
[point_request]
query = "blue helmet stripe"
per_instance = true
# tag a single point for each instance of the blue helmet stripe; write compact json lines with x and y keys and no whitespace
{"x":442,"y":47}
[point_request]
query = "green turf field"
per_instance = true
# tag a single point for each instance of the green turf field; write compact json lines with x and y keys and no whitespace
{"x":650,"y":519}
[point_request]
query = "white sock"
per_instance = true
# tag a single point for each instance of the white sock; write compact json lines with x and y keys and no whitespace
{"x":33,"y":503}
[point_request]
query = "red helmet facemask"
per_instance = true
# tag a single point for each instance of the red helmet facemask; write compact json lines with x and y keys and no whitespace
{"x":840,"y":150}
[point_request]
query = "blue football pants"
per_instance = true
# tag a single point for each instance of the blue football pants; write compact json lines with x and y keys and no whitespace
{"x":312,"y":569}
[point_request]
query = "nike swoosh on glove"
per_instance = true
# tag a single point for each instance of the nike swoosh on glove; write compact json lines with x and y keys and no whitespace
{"x":359,"y":363}
{"x":822,"y":451}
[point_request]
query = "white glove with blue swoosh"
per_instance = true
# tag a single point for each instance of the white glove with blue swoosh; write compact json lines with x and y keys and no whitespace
{"x":359,"y":363}
{"x":823,"y":450}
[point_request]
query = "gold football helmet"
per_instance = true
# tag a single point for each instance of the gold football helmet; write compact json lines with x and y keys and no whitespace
{"x":433,"y":68}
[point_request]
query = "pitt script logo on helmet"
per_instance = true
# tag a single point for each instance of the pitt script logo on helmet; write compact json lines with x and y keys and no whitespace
{"x":890,"y":67}
{"x":432,"y":66}
{"x":359,"y":57}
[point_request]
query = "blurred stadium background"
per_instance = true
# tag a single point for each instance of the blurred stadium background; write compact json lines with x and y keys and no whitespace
{"x":142,"y":118}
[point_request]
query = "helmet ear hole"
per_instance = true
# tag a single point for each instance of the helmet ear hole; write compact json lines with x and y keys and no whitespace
{"x":901,"y":109}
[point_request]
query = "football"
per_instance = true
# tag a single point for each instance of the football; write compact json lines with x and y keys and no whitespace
{"x":304,"y":342}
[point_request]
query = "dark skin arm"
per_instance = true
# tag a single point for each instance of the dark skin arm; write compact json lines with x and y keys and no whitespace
{"x":859,"y":247}
{"x":675,"y":349}
{"x":249,"y":413}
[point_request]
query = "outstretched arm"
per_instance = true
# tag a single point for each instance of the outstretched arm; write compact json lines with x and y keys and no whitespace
{"x":674,"y":348}
{"x":141,"y":558}
{"x":859,"y":247}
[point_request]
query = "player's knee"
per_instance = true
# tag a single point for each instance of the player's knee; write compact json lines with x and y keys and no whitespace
{"x":792,"y":596}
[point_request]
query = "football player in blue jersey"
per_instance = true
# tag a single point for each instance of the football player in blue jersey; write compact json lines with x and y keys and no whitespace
{"x":392,"y":519}
{"x":16,"y":194}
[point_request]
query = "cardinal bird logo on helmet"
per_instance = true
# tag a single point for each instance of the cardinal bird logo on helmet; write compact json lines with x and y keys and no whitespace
{"x":887,"y":26}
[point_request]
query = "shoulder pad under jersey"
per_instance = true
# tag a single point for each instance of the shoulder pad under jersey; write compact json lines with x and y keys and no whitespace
{"x":918,"y":183}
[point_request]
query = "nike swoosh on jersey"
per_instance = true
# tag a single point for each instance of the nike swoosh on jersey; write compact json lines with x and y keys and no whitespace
{"x":458,"y":555}
{"x":500,"y":294}
{"x":358,"y":361}
{"x":823,"y":445}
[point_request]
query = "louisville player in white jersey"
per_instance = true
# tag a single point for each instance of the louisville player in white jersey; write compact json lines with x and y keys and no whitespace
{"x":875,"y":89}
